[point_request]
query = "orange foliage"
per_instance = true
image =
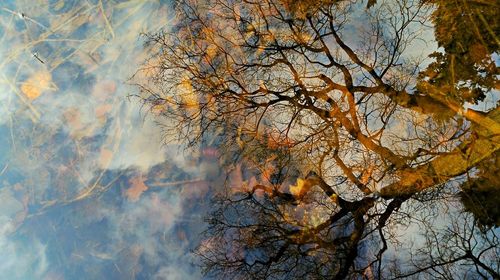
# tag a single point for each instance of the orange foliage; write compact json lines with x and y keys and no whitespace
{"x":36,"y":84}
{"x":301,"y":188}
{"x":137,"y":187}
{"x":105,"y":157}
{"x":189,"y":97}
{"x":101,"y":111}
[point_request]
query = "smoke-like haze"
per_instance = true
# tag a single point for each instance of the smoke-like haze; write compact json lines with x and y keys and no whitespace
{"x":85,"y":183}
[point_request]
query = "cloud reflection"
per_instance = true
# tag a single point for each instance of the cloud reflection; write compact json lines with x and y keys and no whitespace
{"x":85,"y":182}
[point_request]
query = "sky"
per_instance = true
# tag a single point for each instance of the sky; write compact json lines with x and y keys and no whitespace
{"x":88,"y":188}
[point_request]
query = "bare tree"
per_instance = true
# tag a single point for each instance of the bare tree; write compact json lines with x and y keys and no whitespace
{"x":334,"y":92}
{"x":461,"y":248}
